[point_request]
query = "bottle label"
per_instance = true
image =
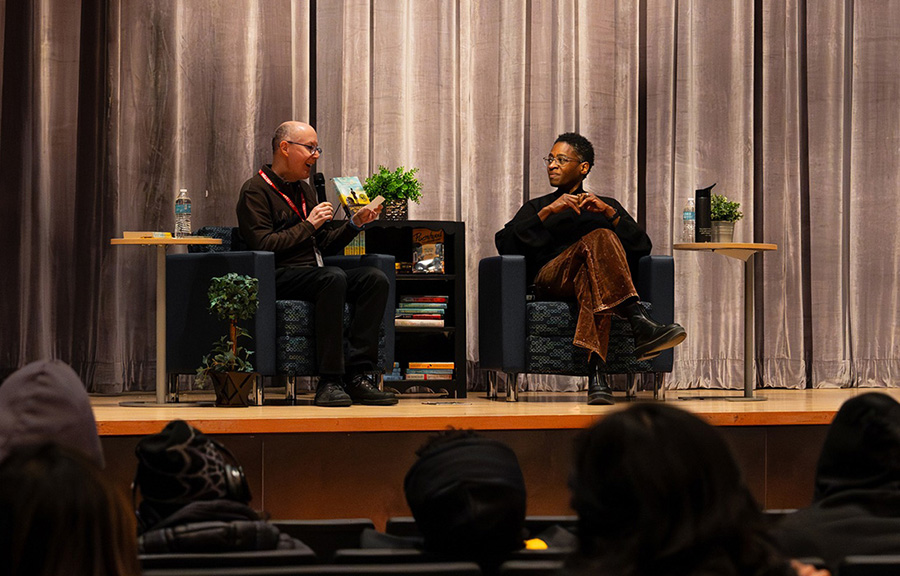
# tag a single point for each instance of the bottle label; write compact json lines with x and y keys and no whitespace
{"x":688,"y":215}
{"x":183,"y":209}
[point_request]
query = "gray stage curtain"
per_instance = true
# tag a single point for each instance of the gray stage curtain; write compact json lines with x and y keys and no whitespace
{"x":793,"y":107}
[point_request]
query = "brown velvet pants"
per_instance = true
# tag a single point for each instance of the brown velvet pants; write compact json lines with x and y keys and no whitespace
{"x":594,"y":272}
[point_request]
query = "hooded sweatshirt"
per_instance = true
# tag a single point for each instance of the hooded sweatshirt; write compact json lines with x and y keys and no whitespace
{"x":856,"y":503}
{"x":45,"y":401}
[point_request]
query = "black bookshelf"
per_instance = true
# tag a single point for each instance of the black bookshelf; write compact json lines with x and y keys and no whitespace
{"x":426,"y":343}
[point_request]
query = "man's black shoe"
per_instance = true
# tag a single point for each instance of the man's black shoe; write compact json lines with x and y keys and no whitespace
{"x":651,"y":337}
{"x":599,"y":392}
{"x":362,"y":390}
{"x":329,"y":392}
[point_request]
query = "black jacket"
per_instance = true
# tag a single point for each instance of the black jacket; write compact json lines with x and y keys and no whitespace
{"x":541,"y":242}
{"x":856,"y":505}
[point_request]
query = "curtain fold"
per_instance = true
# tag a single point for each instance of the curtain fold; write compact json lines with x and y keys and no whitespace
{"x":792,"y":107}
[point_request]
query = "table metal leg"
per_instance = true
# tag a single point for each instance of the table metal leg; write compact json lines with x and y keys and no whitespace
{"x":161,"y":324}
{"x":749,"y":332}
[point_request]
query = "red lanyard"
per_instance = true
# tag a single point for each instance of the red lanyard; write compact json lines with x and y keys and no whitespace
{"x":286,"y":199}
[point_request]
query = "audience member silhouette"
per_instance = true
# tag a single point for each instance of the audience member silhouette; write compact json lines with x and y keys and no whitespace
{"x":467,"y":495}
{"x":658,"y":493}
{"x":60,"y":514}
{"x":856,"y":502}
{"x":46,"y":401}
{"x":195,"y":497}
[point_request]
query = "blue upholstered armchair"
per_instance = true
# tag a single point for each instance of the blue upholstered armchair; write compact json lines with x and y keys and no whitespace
{"x":517,"y":334}
{"x":282,"y":331}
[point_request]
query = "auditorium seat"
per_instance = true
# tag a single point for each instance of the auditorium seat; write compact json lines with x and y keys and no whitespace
{"x":282,"y":331}
{"x":428,"y":569}
{"x":325,"y":536}
{"x":228,"y":559}
{"x":535,"y":524}
{"x":517,"y":334}
{"x":870,"y":565}
{"x":530,"y":567}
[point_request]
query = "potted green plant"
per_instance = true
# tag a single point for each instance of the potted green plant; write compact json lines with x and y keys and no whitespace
{"x":397,"y":188}
{"x":232,"y":297}
{"x":723,"y":213}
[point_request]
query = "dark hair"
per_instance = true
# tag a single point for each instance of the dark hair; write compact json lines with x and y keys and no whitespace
{"x":59,"y":514}
{"x":582,"y":146}
{"x":658,"y":491}
{"x":281,"y":133}
{"x":467,"y":494}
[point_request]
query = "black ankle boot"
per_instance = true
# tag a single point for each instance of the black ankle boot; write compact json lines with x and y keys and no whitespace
{"x":651,"y":337}
{"x":599,"y":392}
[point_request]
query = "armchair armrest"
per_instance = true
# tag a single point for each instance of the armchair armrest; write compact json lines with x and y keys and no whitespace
{"x":191,"y":330}
{"x":501,"y":313}
{"x":385,"y":263}
{"x":656,"y":284}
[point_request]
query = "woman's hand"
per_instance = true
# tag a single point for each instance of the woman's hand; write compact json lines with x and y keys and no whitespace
{"x":564,"y":202}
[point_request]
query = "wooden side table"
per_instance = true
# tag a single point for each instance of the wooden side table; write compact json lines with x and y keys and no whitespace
{"x":161,"y":244}
{"x":740,"y":251}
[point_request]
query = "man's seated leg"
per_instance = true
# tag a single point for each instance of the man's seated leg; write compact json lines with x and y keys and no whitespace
{"x":326,"y":288}
{"x":367,"y":291}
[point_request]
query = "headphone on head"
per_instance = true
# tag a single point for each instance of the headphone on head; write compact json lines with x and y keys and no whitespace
{"x":234,"y":482}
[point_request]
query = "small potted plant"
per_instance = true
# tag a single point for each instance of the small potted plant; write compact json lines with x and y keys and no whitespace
{"x":723,"y":213}
{"x":397,"y":187}
{"x":232,"y":297}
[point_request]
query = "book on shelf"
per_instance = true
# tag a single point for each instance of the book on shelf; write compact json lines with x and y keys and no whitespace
{"x":425,"y":305}
{"x":429,"y":370}
{"x":351,"y":194}
{"x":415,"y":376}
{"x":394,"y":374}
{"x":357,"y":246}
{"x":419,"y":316}
{"x":419,"y":322}
{"x":420,"y":311}
{"x":431,"y":365}
{"x":424,"y":299}
{"x":428,"y":251}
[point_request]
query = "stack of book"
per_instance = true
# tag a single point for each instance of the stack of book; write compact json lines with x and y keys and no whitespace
{"x":423,"y":310}
{"x":430,"y":371}
{"x":357,"y":246}
{"x":394,"y":374}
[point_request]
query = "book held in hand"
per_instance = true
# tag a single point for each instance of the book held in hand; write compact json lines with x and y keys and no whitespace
{"x":351,"y":194}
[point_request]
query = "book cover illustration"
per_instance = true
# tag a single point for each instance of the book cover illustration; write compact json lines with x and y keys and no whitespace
{"x":428,"y":250}
{"x":351,"y":194}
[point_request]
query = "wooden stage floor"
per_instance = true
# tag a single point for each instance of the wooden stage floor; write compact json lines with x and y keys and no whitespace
{"x":534,"y":411}
{"x":309,"y":462}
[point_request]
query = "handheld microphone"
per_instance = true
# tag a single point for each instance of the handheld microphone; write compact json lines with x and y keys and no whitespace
{"x":319,"y":182}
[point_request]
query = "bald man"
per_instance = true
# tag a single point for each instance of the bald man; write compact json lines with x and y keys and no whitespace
{"x":277,"y":212}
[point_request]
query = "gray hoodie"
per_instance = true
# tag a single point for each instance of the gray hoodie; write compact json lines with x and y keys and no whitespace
{"x":46,"y":401}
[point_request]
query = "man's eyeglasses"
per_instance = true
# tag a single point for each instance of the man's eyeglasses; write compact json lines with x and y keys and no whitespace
{"x":559,"y":160}
{"x":312,"y":149}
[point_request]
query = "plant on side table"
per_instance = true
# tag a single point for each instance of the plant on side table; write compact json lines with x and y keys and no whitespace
{"x":723,"y":213}
{"x":397,"y":188}
{"x":232,"y":297}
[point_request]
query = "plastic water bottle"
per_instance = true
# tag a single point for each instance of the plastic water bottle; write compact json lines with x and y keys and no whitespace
{"x":182,"y":214}
{"x":688,"y":221}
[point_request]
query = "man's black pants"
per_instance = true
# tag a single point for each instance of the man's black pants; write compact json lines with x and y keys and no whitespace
{"x":365,"y":288}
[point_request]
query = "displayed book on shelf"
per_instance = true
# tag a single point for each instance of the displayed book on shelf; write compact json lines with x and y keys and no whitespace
{"x":421,"y":309}
{"x":428,"y":251}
